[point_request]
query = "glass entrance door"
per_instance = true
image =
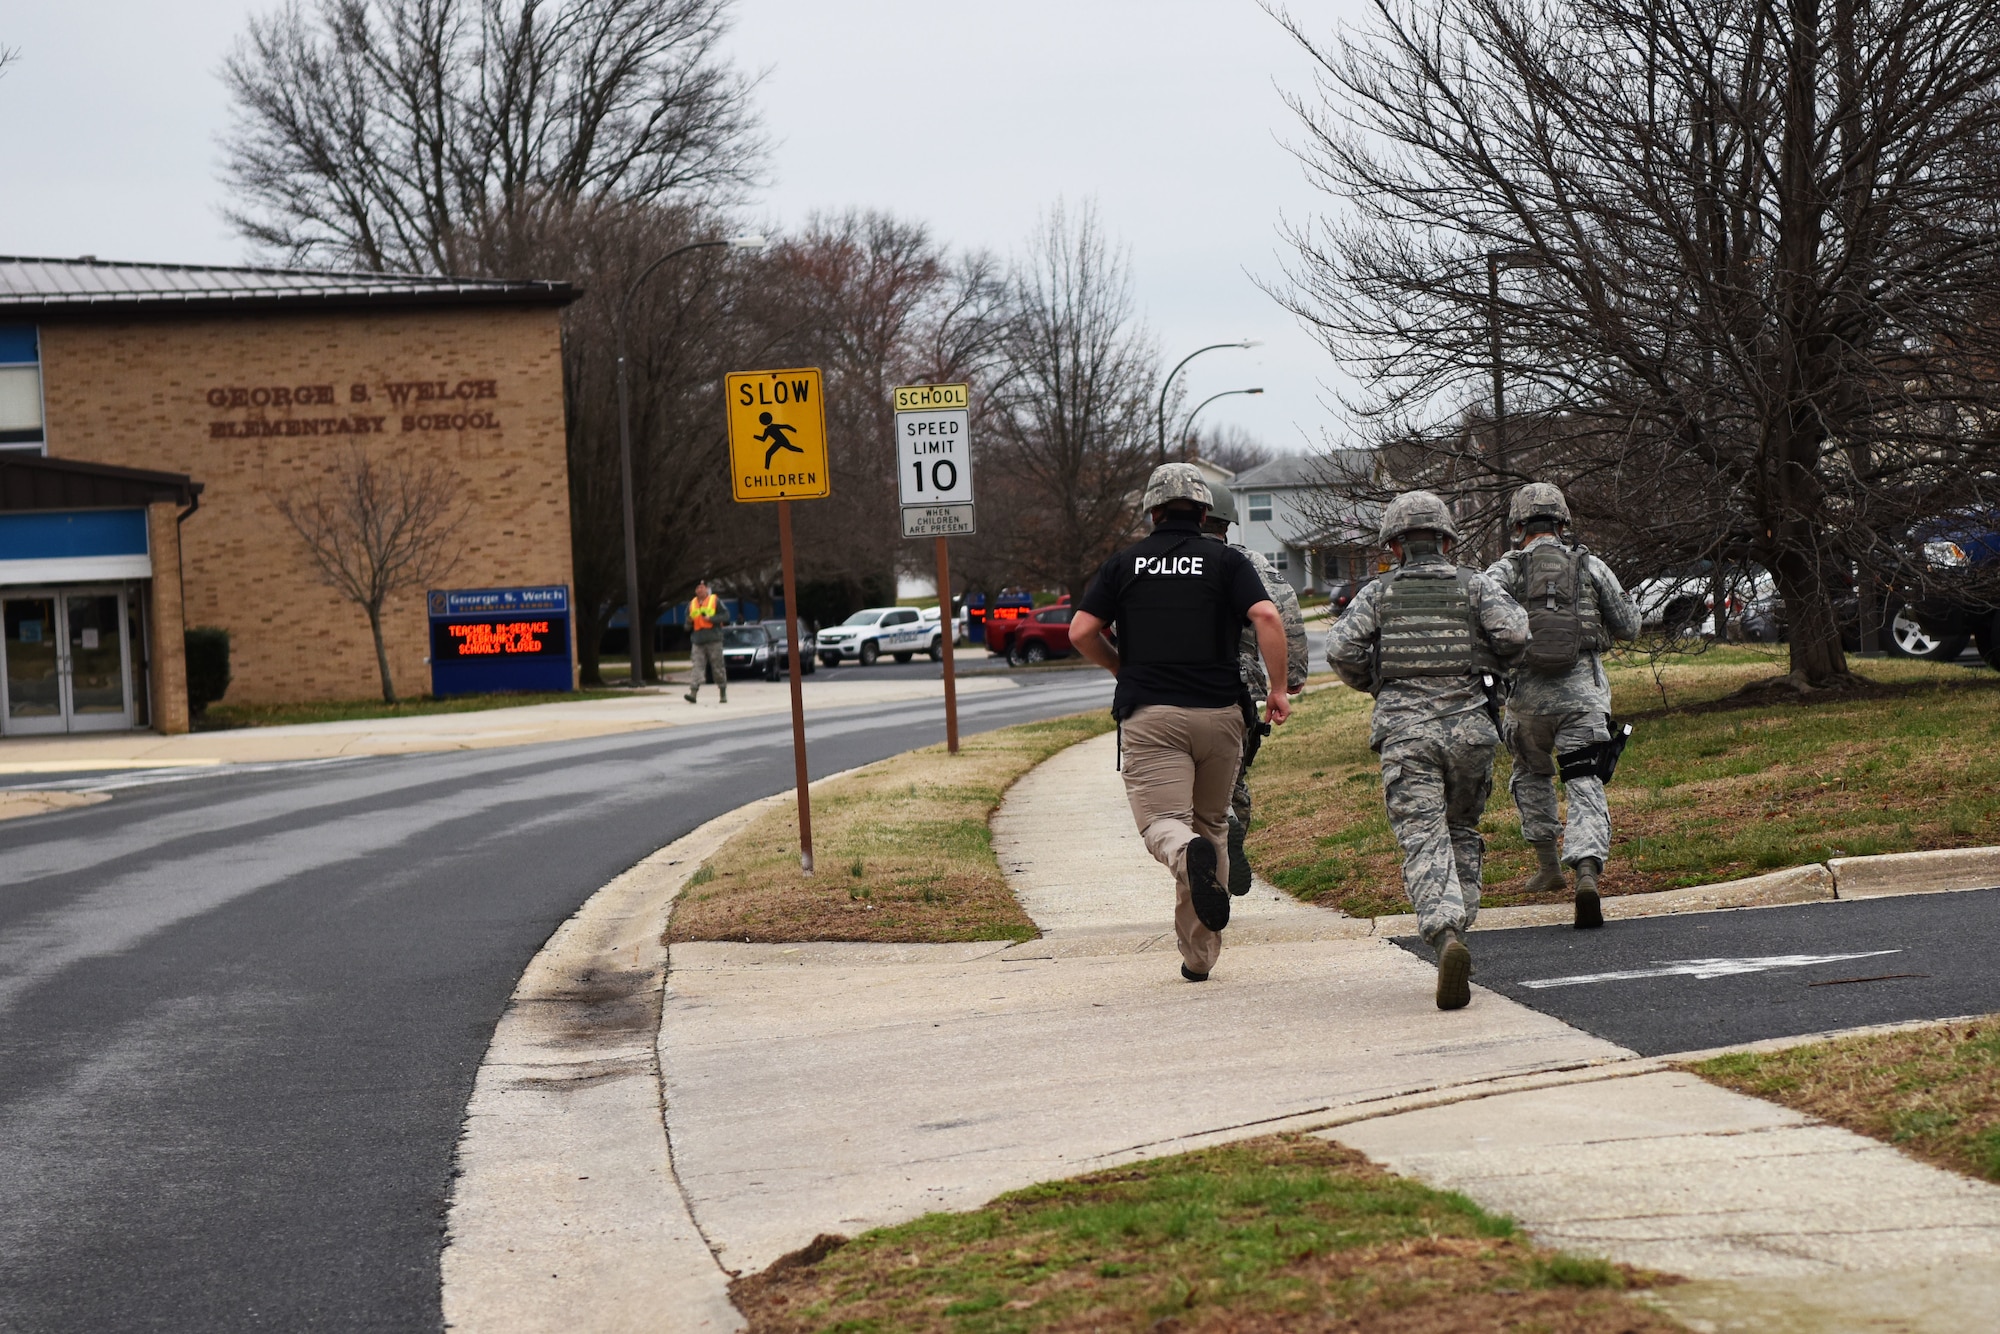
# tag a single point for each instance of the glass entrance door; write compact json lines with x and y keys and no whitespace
{"x":34,"y":680}
{"x":68,"y":662}
{"x":100,"y":694}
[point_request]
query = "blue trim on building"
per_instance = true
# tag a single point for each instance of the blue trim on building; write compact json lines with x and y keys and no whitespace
{"x":18,"y":345}
{"x":56,"y":534}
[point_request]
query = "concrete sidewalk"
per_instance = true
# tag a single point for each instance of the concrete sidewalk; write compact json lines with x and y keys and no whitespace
{"x":1785,"y":1222}
{"x":834,"y":1088}
{"x":474,"y":730}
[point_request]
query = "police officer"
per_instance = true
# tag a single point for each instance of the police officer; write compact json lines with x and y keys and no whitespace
{"x":707,"y":614}
{"x":1250,"y":665}
{"x":1560,"y":705}
{"x":1427,"y":639}
{"x":1179,"y":602}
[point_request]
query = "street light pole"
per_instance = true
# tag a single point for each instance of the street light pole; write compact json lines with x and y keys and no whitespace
{"x":1187,"y":430}
{"x":1167,"y":383}
{"x":625,"y":438}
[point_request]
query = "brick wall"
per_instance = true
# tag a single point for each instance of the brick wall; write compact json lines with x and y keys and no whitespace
{"x":202,"y":396}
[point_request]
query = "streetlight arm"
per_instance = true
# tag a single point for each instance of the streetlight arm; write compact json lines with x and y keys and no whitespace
{"x":625,"y":303}
{"x":1167,"y":384}
{"x":1187,"y":431}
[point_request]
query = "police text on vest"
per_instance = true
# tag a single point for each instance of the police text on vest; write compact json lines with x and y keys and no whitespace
{"x":1167,"y":564}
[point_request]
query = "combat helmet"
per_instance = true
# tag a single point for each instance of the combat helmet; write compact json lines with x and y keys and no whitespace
{"x":1224,"y":507}
{"x":1416,"y":511}
{"x":1176,"y":481}
{"x":1537,"y":500}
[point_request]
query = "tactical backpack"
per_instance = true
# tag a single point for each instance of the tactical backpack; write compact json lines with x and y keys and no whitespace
{"x":1561,"y":627}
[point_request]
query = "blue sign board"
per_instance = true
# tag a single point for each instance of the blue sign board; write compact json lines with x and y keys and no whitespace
{"x":488,"y":640}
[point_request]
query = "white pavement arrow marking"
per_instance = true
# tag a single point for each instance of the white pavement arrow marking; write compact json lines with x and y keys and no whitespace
{"x":1704,"y":968}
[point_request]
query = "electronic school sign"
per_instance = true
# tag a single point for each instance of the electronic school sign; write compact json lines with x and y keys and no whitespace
{"x":488,"y":640}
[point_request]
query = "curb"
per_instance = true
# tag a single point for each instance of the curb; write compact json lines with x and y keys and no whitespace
{"x":564,"y":1164}
{"x":564,"y":1168}
{"x":1947,"y":871}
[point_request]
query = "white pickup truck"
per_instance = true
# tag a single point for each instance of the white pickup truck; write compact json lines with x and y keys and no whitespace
{"x":868,"y":634}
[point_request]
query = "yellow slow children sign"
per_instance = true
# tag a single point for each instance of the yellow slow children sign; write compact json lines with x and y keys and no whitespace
{"x":777,"y":435}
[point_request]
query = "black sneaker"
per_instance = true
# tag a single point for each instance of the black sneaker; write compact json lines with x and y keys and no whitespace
{"x":1191,"y":975}
{"x":1211,"y":904}
{"x":1239,"y":862}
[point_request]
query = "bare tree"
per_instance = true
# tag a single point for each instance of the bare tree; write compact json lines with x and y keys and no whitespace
{"x":1074,"y":412}
{"x":1732,"y":262}
{"x":375,"y":529}
{"x":420,"y":135}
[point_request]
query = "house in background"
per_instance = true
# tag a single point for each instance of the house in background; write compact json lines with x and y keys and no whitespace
{"x":1287,"y":511}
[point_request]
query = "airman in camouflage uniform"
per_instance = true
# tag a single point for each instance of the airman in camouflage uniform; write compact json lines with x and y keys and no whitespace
{"x":1426,"y":640}
{"x":1250,"y":663}
{"x":1562,"y":705}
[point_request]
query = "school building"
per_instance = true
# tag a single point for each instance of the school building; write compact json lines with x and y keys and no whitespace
{"x":154,"y":421}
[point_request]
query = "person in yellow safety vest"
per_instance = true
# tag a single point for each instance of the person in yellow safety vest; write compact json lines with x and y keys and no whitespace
{"x":706,"y":617}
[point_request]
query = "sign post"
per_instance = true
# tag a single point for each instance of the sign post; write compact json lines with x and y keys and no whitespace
{"x":777,"y":452}
{"x":934,"y":482}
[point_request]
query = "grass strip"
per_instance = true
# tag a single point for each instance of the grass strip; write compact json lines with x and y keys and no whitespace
{"x":227,"y":717}
{"x":1932,"y":1092}
{"x":1704,"y":793}
{"x":1286,"y":1232}
{"x":903,"y":847}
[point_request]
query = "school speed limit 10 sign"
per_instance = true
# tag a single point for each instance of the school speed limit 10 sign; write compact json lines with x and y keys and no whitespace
{"x":933,"y":449}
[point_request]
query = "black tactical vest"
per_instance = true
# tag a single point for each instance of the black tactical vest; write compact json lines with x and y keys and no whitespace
{"x":1173,"y":607}
{"x":1429,"y":626}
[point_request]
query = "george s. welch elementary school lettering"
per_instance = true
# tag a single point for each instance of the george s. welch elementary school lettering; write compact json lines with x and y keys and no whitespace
{"x":360,"y":408}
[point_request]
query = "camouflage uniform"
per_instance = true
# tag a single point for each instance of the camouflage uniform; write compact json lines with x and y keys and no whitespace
{"x":1549,"y":716}
{"x":1436,"y":740}
{"x":1250,"y":661}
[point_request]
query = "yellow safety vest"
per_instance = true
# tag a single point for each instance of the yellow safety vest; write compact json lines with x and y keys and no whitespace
{"x":701,"y":615}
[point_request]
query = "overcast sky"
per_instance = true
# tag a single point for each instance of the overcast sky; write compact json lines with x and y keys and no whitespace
{"x":971,"y":115}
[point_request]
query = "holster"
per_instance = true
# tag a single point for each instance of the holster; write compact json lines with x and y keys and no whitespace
{"x":1254,"y":731}
{"x":1489,"y":684}
{"x":1599,"y":759}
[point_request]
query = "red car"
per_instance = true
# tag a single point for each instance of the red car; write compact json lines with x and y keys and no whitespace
{"x":1037,"y":637}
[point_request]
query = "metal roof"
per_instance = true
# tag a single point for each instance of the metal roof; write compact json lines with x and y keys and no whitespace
{"x":87,"y":284}
{"x":1338,"y":467}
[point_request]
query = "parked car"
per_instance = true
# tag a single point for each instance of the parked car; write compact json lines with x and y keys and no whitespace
{"x":1959,"y":600}
{"x":1036,"y":638}
{"x":959,"y":625}
{"x":868,"y":634}
{"x":1683,"y":602}
{"x":752,"y":650}
{"x":809,"y":661}
{"x":1343,"y":591}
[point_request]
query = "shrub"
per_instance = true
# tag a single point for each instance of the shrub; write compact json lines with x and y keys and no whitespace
{"x":207,"y":667}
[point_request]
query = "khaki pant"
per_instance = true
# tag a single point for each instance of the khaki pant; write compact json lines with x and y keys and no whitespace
{"x":1180,"y":765}
{"x":706,"y":659}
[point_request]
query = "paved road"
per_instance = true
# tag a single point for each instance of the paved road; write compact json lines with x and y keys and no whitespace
{"x":1667,"y":984}
{"x":240,"y":1015}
